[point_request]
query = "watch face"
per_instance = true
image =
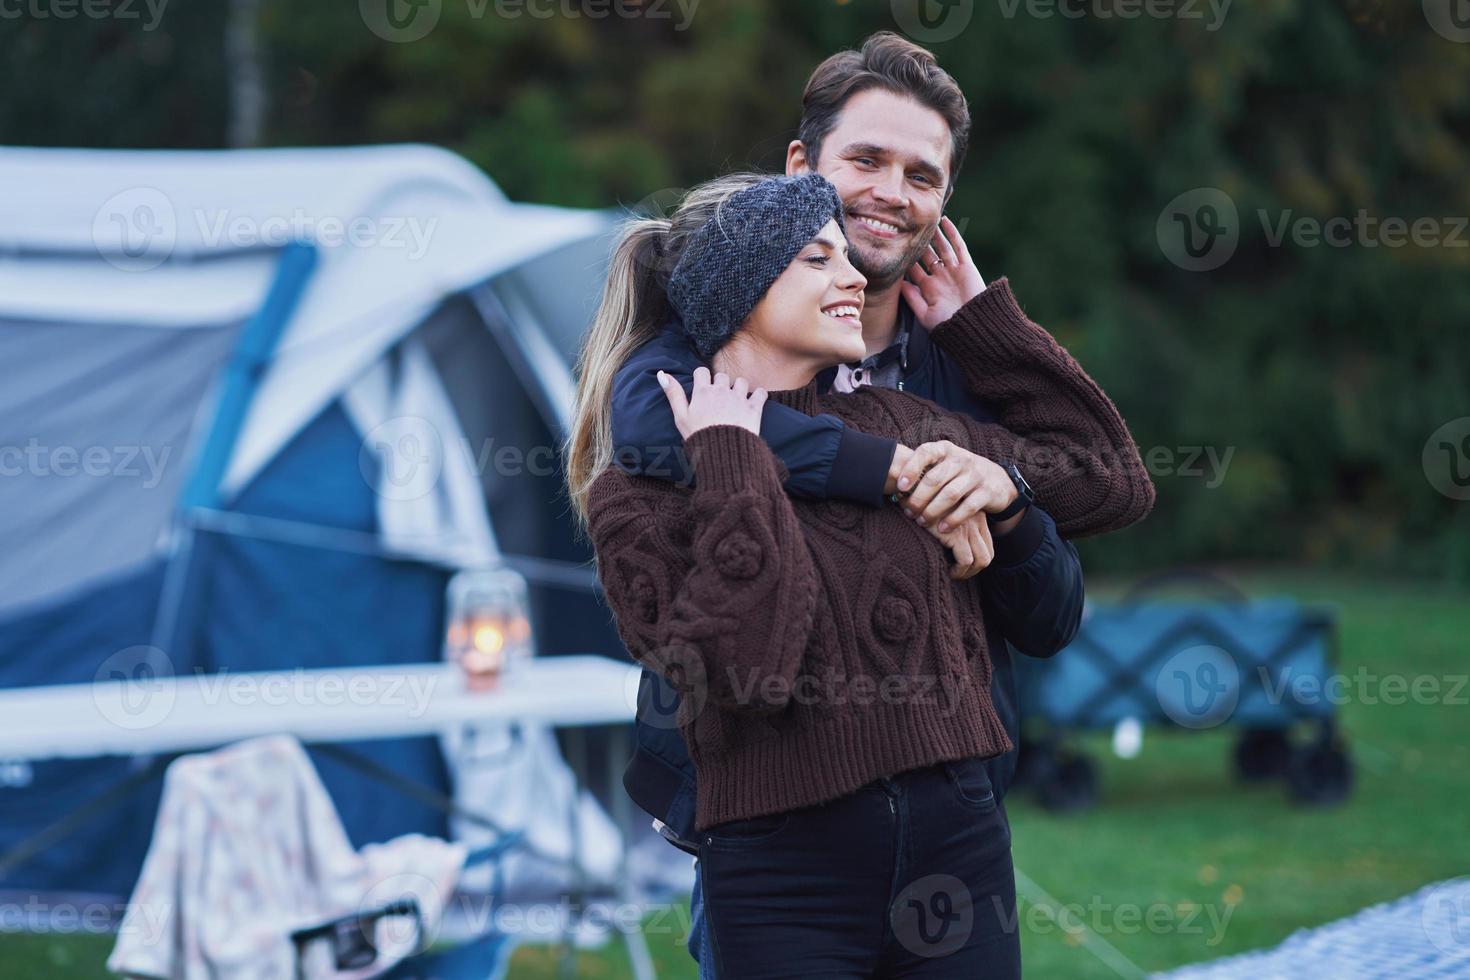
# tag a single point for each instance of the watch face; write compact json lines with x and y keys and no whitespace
{"x":1022,"y":487}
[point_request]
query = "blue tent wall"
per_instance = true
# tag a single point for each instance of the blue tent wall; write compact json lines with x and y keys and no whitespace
{"x":263,"y":605}
{"x":66,"y":643}
{"x":268,"y":605}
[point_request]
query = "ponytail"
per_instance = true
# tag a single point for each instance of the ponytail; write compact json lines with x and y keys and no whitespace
{"x":633,"y":307}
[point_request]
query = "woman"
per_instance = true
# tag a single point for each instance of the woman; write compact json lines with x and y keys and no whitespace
{"x":833,"y":668}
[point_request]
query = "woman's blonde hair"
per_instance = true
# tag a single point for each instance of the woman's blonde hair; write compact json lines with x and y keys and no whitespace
{"x":633,"y":309}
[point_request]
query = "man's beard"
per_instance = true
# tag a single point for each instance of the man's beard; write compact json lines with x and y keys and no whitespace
{"x":880,"y":271}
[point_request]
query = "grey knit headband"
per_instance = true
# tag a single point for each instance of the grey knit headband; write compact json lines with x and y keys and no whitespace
{"x":730,"y":261}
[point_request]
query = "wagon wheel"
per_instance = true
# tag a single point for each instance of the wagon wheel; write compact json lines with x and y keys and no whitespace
{"x":1069,"y":784}
{"x":1321,"y":772}
{"x":1262,"y":754}
{"x":1034,"y":759}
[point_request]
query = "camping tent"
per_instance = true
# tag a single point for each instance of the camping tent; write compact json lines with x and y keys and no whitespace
{"x":257,"y":407}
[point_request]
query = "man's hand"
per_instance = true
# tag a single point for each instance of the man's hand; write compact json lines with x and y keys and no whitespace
{"x":948,"y":485}
{"x":943,"y":280}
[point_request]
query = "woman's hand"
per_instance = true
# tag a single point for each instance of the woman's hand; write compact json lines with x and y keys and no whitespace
{"x":713,"y":402}
{"x":971,"y":545}
{"x":944,"y":278}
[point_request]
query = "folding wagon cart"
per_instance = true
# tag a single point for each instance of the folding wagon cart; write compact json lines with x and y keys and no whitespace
{"x":1263,"y":666}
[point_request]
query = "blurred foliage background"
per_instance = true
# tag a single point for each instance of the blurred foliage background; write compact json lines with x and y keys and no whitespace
{"x":1322,"y":370}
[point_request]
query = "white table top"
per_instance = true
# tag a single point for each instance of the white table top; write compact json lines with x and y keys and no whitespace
{"x":190,"y":712}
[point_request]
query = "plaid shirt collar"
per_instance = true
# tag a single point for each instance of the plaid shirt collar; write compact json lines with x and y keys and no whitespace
{"x":896,"y":351}
{"x":877,"y":365}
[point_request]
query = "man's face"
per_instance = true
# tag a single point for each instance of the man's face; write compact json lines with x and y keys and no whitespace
{"x":888,"y":157}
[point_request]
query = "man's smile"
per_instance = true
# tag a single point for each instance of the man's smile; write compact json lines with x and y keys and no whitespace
{"x":877,"y":227}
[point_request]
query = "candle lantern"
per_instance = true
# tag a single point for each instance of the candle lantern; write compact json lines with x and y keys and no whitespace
{"x":489,"y":624}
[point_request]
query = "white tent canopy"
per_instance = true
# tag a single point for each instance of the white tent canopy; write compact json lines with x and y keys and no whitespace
{"x":399,"y":228}
{"x":127,"y":248}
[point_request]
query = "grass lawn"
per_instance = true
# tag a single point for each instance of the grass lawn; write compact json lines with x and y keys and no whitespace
{"x":1179,"y":863}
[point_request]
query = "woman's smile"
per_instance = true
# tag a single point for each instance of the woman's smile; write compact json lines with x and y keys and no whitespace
{"x":847,"y":312}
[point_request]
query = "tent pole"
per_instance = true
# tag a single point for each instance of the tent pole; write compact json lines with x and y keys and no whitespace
{"x":248,"y":364}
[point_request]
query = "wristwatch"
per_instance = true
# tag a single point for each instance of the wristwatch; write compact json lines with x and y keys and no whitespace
{"x":1025,"y":496}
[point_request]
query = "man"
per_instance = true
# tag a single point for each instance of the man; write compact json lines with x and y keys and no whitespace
{"x":889,"y":129}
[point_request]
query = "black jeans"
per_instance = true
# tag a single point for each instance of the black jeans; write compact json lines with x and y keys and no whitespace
{"x":909,"y":876}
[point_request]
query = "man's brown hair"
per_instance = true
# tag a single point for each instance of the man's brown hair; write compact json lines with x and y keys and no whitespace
{"x":890,"y":62}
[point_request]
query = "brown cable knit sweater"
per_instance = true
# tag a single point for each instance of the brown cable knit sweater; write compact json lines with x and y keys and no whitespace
{"x":819,"y":645}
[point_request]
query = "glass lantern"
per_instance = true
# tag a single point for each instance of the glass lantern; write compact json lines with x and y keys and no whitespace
{"x":489,"y":625}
